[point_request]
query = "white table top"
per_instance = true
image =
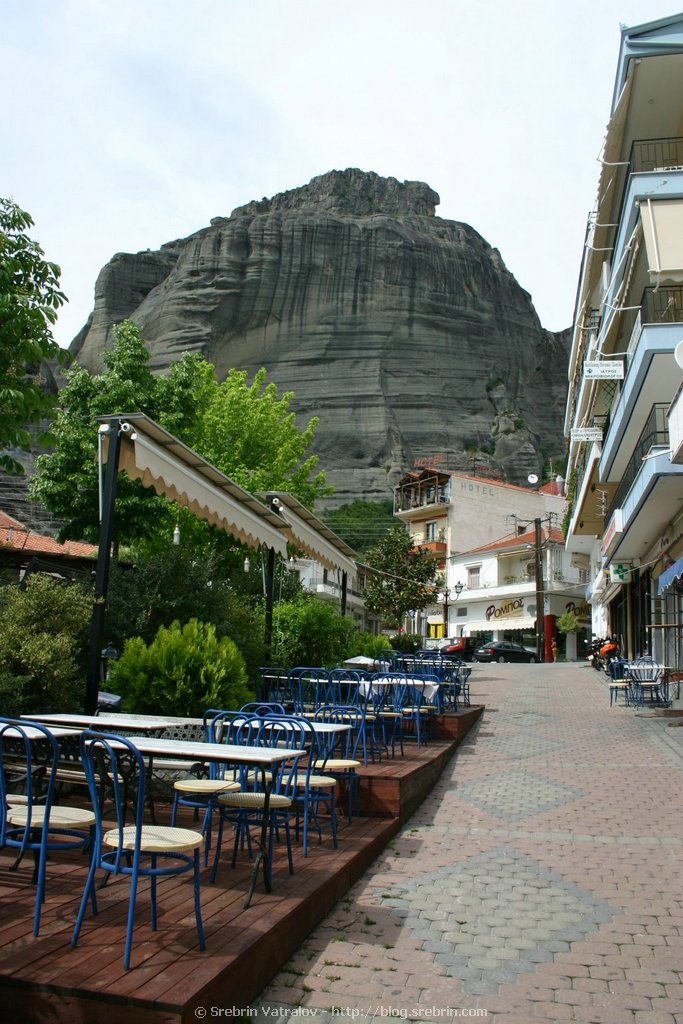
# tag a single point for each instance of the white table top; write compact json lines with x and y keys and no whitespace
{"x":197,"y":750}
{"x":143,"y":723}
{"x":35,"y":734}
{"x":429,"y":687}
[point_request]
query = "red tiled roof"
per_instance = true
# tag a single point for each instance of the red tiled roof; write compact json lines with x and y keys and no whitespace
{"x":18,"y":537}
{"x":520,"y":540}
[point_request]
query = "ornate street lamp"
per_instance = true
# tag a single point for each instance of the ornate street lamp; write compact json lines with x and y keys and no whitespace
{"x":445,"y":597}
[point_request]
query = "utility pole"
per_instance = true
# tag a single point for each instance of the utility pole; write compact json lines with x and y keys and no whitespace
{"x":540,"y":600}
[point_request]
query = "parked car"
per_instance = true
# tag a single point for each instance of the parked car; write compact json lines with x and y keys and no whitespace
{"x":503,"y":650}
{"x":458,"y":647}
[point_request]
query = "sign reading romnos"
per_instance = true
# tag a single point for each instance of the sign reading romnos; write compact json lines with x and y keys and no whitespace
{"x":508,"y":609}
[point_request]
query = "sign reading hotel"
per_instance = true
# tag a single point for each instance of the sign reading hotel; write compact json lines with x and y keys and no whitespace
{"x":586,"y":434}
{"x":603,"y":369}
{"x":508,"y":610}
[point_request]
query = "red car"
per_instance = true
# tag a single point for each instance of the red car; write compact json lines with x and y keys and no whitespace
{"x":458,"y":647}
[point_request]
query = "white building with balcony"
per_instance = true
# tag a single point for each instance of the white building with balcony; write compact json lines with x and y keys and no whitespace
{"x":451,"y":514}
{"x":502,"y":585}
{"x":624,"y":486}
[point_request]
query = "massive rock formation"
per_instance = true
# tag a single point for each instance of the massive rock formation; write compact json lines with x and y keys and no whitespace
{"x":405,"y":333}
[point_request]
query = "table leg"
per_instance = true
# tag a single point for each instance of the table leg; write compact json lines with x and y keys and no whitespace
{"x":268,"y":781}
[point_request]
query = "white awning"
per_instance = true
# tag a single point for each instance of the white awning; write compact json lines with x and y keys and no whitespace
{"x":308,"y":533}
{"x":150,"y":454}
{"x":434,"y":620}
{"x":513,"y":622}
{"x":663,"y":226}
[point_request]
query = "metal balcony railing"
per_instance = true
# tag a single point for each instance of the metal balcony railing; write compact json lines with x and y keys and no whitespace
{"x":656,"y":155}
{"x":655,"y":432}
{"x":662,"y":305}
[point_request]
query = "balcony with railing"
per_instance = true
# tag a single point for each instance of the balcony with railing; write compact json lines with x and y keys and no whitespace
{"x":655,"y":434}
{"x":429,"y":491}
{"x":656,"y":155}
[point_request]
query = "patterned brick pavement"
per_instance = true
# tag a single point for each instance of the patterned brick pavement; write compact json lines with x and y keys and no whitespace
{"x":539,"y":882}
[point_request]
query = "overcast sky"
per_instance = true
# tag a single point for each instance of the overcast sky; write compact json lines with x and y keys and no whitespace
{"x":129,"y":123}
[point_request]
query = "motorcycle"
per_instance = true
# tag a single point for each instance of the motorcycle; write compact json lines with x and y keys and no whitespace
{"x":603,"y":651}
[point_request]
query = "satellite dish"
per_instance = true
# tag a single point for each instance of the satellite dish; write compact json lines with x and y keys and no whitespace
{"x":678,"y":354}
{"x":532,"y":478}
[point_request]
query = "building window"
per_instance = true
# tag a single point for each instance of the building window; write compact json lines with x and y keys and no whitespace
{"x":430,"y":532}
{"x":473,"y":573}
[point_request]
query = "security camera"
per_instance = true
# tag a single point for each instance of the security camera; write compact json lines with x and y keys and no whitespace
{"x":275,"y":502}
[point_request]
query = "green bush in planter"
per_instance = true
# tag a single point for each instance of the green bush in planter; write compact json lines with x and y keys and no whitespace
{"x":183,"y":671}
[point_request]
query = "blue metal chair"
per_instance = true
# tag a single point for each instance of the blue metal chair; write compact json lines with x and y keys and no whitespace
{"x":342,"y":760}
{"x":245,"y":809}
{"x":136,"y":850}
{"x":29,"y":820}
{"x":201,"y":794}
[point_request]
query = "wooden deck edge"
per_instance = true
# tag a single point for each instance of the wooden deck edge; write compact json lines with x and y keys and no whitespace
{"x":240,"y":983}
{"x":246,"y":978}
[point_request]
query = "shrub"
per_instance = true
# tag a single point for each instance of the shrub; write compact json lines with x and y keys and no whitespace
{"x":310,"y":632}
{"x":372,"y":645}
{"x":43,"y":642}
{"x":406,"y":643}
{"x":13,"y":702}
{"x":184,"y":670}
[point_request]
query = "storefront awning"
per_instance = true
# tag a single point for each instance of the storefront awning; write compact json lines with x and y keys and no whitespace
{"x":513,"y":622}
{"x":150,"y":454}
{"x":670,"y":576}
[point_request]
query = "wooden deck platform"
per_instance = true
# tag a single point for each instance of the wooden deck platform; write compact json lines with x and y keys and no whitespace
{"x":43,"y":980}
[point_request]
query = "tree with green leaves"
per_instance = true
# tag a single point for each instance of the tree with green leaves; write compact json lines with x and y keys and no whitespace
{"x":29,"y":300}
{"x":249,"y":432}
{"x":245,"y":430}
{"x":403,"y":579}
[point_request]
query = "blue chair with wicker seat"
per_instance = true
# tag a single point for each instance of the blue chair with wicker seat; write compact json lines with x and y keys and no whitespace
{"x":200,"y":794}
{"x":29,"y":820}
{"x":342,"y":760}
{"x":245,"y":809}
{"x":138,"y":850}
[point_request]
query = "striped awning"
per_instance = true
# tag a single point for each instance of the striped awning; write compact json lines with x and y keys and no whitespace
{"x":670,"y":576}
{"x":161,"y":461}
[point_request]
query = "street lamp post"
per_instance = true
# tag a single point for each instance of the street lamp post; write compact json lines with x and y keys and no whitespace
{"x":457,"y":589}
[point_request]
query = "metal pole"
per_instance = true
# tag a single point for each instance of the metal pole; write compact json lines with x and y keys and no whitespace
{"x":270,"y":599}
{"x":344,"y":586}
{"x":92,"y":684}
{"x":538,"y":565}
{"x":445,"y":612}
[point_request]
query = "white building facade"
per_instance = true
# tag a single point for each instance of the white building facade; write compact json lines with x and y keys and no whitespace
{"x":625,"y":468}
{"x":451,"y":516}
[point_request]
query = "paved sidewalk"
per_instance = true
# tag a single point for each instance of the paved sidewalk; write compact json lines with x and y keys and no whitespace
{"x":539,"y":882}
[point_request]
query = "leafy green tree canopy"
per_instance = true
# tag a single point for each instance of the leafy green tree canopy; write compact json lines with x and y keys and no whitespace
{"x":29,"y":300}
{"x":244,"y":430}
{"x":404,"y":578}
{"x":43,"y":637}
{"x":249,"y":433}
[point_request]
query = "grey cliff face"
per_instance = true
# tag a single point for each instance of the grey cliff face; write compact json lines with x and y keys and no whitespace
{"x":403,"y":332}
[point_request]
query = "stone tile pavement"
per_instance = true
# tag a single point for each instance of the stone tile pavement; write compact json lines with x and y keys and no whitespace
{"x":540,"y":881}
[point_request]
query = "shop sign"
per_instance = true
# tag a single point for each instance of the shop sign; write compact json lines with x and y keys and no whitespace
{"x":507,"y":610}
{"x":603,"y":369}
{"x":614,"y":527}
{"x":582,"y":610}
{"x":586,"y":434}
